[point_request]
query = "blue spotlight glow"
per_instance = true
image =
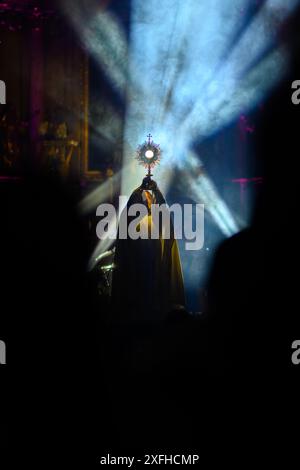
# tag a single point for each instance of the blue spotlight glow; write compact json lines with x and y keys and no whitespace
{"x":99,"y":195}
{"x":103,"y":36}
{"x":185,"y":82}
{"x":190,"y":69}
{"x":176,"y":62}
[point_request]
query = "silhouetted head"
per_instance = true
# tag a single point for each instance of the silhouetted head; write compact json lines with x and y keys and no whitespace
{"x":148,"y":184}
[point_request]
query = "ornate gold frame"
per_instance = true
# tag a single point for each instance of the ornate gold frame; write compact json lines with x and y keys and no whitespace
{"x":84,"y":164}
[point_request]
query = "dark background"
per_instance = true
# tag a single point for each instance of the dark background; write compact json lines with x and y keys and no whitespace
{"x":79,"y":387}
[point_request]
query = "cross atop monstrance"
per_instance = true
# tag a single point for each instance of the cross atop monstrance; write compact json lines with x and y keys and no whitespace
{"x":148,"y":154}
